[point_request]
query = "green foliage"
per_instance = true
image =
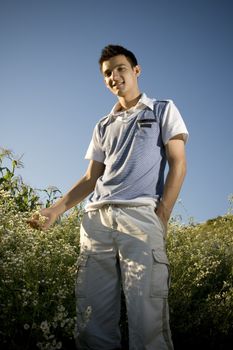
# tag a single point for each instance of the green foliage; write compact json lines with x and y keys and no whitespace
{"x":25,"y":197}
{"x":201,"y":294}
{"x":37,"y":271}
{"x":52,"y":193}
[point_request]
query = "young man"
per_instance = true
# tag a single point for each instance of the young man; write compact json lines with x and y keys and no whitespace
{"x":123,"y":231}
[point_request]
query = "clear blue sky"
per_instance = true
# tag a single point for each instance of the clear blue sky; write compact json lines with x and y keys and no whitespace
{"x":52,"y":93}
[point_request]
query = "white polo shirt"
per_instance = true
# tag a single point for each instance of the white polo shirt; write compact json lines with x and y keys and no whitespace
{"x":131,"y":144}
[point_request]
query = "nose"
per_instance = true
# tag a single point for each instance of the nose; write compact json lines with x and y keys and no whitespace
{"x":115,"y":74}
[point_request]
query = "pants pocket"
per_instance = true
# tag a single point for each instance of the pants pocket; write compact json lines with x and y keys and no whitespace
{"x":160,"y":274}
{"x":161,"y":223}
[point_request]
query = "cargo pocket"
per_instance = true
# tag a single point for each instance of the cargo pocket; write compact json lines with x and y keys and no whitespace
{"x":81,"y":280}
{"x":160,"y":274}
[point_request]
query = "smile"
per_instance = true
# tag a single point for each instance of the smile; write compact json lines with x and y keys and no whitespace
{"x":118,"y":85}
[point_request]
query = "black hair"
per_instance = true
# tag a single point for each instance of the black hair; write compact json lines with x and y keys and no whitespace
{"x":110,"y":51}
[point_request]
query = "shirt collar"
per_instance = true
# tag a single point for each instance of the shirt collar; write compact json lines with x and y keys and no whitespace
{"x":143,"y":102}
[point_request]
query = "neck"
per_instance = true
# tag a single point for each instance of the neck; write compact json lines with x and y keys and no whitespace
{"x":127,"y":103}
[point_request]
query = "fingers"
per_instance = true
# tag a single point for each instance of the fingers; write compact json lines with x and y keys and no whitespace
{"x":38,"y":221}
{"x":33,"y":224}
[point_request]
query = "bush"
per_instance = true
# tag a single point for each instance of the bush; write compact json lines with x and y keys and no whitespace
{"x":201,"y":294}
{"x":24,"y":197}
{"x":37,"y":280}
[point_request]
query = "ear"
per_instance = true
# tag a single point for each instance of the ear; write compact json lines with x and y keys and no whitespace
{"x":137,"y":70}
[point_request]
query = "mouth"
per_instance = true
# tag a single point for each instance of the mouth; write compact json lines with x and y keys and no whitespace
{"x":118,"y":85}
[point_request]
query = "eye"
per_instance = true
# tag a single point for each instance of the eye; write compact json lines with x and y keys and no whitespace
{"x":107,"y":74}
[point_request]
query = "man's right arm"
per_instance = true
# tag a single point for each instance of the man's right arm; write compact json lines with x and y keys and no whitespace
{"x":73,"y":197}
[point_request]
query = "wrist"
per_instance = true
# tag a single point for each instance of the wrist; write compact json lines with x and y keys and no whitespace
{"x":163,"y":211}
{"x":165,"y":207}
{"x":57,"y":209}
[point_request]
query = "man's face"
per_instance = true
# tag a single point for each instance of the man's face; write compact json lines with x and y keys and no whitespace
{"x":120,"y":77}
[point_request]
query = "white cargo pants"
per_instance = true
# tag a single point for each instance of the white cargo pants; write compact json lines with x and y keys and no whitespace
{"x":122,"y":244}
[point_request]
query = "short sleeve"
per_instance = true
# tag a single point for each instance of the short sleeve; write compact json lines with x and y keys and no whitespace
{"x":95,"y":151}
{"x":172,"y":123}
